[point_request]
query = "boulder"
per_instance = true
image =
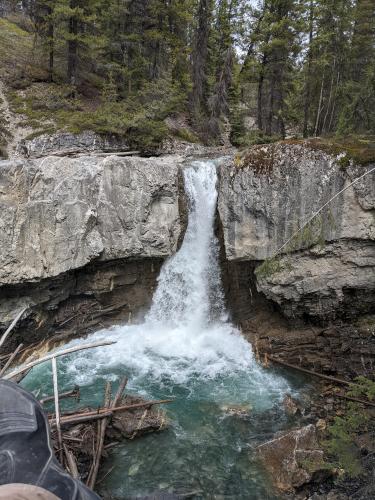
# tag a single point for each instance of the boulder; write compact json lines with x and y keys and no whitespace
{"x":292,"y":459}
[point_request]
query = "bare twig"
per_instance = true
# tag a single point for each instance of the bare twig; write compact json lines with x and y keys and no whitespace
{"x":74,"y":393}
{"x":106,"y":474}
{"x":10,"y":360}
{"x":56,"y":355}
{"x":12,"y":325}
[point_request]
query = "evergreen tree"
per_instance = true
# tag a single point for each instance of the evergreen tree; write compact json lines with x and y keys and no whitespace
{"x":357,"y":111}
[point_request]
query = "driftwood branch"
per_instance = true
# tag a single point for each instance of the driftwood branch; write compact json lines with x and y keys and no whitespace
{"x":310,"y":372}
{"x":56,"y":355}
{"x":100,"y":441}
{"x":101,"y":413}
{"x":71,"y":461}
{"x":119,"y":392}
{"x":57,"y":409}
{"x":10,"y":360}
{"x":12,"y":325}
{"x":73,"y":393}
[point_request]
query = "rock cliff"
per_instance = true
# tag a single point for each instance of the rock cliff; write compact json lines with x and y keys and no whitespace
{"x":84,"y":238}
{"x":60,"y":214}
{"x":328,"y":269}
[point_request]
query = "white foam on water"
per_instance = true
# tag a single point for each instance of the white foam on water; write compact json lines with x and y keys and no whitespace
{"x":186,"y":334}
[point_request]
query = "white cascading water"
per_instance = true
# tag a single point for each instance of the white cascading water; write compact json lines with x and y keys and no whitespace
{"x":186,"y":335}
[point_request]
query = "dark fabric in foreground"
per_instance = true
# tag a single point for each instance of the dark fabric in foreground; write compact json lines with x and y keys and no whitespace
{"x":26,"y":454}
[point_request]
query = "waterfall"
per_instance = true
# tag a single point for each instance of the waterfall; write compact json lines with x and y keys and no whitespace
{"x":189,"y":287}
{"x":186,"y":335}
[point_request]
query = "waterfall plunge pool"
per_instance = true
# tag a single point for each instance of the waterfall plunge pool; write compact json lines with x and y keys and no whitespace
{"x":187,"y":349}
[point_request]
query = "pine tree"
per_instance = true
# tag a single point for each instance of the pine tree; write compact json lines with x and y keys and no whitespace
{"x":201,"y":37}
{"x":357,"y":110}
{"x":77,"y":27}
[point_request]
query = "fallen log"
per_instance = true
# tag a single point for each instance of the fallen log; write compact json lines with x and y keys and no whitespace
{"x":309,"y":372}
{"x":56,"y":355}
{"x":101,"y":413}
{"x":356,"y":400}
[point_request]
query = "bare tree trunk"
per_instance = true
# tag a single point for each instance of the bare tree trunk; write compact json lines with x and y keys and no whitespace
{"x":308,"y":76}
{"x":199,"y":57}
{"x":269,"y":122}
{"x":72,"y":47}
{"x":260,"y":93}
{"x":329,"y":97}
{"x":319,"y":107}
{"x":334,"y":103}
{"x":51,"y":46}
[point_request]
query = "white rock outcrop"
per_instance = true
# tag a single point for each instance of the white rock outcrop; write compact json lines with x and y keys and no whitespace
{"x":59,"y":214}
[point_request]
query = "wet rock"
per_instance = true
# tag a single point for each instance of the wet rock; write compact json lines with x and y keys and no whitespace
{"x":291,"y":405}
{"x":292,"y":459}
{"x":237,"y":410}
{"x":134,"y":423}
{"x":321,"y":425}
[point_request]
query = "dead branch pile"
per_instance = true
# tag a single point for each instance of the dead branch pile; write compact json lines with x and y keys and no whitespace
{"x":88,"y":434}
{"x":81,"y":438}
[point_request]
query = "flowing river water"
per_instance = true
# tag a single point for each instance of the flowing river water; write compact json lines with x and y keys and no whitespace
{"x":185,"y":348}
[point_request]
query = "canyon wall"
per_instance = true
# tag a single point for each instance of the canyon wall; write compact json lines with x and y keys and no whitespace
{"x":328,"y":268}
{"x":83,"y":239}
{"x":311,"y":301}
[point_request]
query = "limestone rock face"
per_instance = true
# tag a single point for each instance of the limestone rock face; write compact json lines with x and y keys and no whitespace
{"x":60,"y":214}
{"x":265,"y":199}
{"x":293,"y":458}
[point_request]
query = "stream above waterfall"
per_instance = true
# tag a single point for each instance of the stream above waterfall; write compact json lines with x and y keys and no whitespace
{"x":185,"y":348}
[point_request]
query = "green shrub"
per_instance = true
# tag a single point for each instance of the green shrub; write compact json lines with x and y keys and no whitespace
{"x":268,"y":267}
{"x":253,"y":137}
{"x":341,"y":442}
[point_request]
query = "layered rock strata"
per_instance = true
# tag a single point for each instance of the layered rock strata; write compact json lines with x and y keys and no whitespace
{"x":85,"y":231}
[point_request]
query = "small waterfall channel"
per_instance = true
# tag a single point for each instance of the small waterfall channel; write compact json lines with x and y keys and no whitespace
{"x":188,"y":349}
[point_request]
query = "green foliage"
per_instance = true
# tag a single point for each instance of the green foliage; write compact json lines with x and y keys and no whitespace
{"x":362,"y":387}
{"x":341,"y":445}
{"x":253,"y":137}
{"x":269,"y":267}
{"x":304,"y":66}
{"x":185,"y":135}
